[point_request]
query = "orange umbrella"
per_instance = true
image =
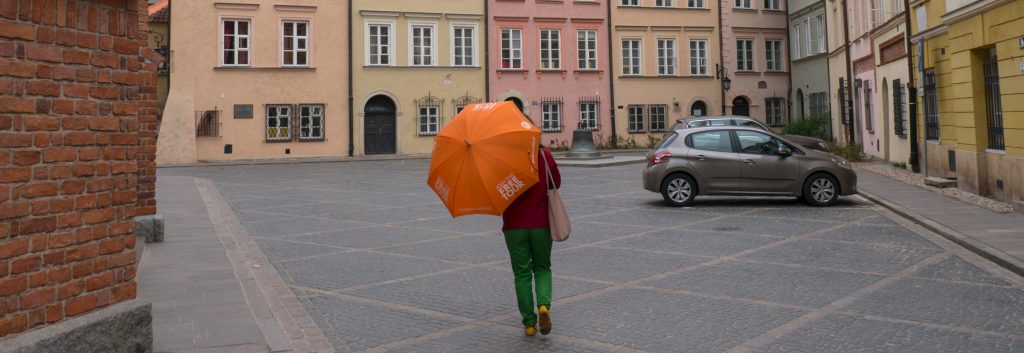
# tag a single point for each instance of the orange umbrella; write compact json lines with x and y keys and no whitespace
{"x":484,"y":159}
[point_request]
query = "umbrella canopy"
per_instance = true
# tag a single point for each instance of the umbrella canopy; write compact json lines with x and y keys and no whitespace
{"x":484,"y":159}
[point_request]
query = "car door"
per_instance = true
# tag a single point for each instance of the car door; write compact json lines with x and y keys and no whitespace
{"x":712,"y":156}
{"x":763,"y":169}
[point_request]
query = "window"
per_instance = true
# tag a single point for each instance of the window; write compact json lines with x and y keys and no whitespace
{"x":463,"y":46}
{"x":744,"y":4}
{"x":631,"y":57}
{"x":235,"y":43}
{"x":698,"y":57}
{"x":715,"y":141}
{"x":666,"y":56}
{"x":379,"y":44}
{"x":586,"y":44}
{"x":551,"y":114}
{"x":588,"y":113}
{"x":699,"y":108}
{"x":511,"y":48}
{"x":753,"y":142}
{"x":630,"y":2}
{"x":745,"y":55}
{"x":993,"y":102}
{"x":279,"y":122}
{"x":869,"y":120}
{"x":208,"y":123}
{"x":658,"y":117}
{"x":773,"y":111}
{"x":931,"y":106}
{"x":295,"y":43}
{"x":422,"y":50}
{"x":663,"y":3}
{"x":897,"y":109}
{"x":772,"y":5}
{"x":698,"y":4}
{"x":636,"y":118}
{"x":428,"y":120}
{"x":819,"y":34}
{"x":773,"y":55}
{"x":841,"y":94}
{"x":819,"y":105}
{"x":796,"y":42}
{"x":550,"y":49}
{"x":311,"y":122}
{"x":462,"y":102}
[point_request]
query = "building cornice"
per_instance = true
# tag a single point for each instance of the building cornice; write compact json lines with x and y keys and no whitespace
{"x":294,"y":8}
{"x":550,"y":19}
{"x":971,"y":9}
{"x":452,"y":16}
{"x":808,"y":9}
{"x":930,"y":33}
{"x":586,"y":20}
{"x":427,"y":15}
{"x":699,"y":28}
{"x":236,"y":6}
{"x":893,"y":22}
{"x":512,"y":18}
{"x":369,"y":13}
{"x":759,"y":29}
{"x":631,"y":28}
{"x":667,"y":28}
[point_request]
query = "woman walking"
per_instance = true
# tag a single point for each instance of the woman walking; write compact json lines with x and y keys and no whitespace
{"x":529,"y":246}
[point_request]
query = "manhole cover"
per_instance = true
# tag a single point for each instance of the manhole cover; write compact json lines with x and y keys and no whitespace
{"x":726,"y":229}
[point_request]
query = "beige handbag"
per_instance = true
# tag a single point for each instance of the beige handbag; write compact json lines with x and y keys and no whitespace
{"x":558,"y":217}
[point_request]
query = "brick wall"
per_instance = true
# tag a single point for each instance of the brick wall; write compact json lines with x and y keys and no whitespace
{"x":77,"y":142}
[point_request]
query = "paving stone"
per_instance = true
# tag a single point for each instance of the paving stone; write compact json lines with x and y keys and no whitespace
{"x":464,"y":224}
{"x":470,"y":249}
{"x":694,"y":242}
{"x":496,"y":339}
{"x":766,"y":226}
{"x":878,"y":234}
{"x":277,"y":250}
{"x":838,"y":214}
{"x":276,"y":228}
{"x":649,"y":218}
{"x":845,"y":256}
{"x":355,"y":268}
{"x":586,"y":232}
{"x":957,"y":269}
{"x":375,"y":236}
{"x":616,"y":265}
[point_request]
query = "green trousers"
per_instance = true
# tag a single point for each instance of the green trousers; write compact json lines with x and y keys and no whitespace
{"x":530,"y":252}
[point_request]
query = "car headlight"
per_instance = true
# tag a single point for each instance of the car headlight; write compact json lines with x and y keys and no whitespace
{"x":823,"y":145}
{"x":841,"y":162}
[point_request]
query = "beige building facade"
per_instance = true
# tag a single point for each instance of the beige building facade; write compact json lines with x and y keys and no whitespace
{"x":755,"y":56}
{"x":415,"y":64}
{"x":891,"y":125}
{"x":256,"y":80}
{"x":665,"y":55}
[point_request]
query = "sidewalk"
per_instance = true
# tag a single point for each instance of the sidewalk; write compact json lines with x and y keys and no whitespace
{"x":998,"y":237}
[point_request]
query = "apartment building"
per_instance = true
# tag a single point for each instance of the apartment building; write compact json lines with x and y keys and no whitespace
{"x":808,"y":55}
{"x":891,"y":116}
{"x":754,"y":54}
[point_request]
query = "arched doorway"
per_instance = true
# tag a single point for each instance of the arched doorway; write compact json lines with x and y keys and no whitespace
{"x":741,"y":106}
{"x":699,"y":108}
{"x":517,"y":101}
{"x":799,"y":104}
{"x":379,"y":125}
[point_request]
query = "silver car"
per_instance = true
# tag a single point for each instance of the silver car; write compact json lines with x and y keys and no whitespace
{"x":733,"y":160}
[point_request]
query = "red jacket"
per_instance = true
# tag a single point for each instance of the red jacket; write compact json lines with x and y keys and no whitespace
{"x":530,"y":210}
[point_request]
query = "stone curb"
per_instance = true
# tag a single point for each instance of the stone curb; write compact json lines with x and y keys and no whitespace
{"x":984,"y":250}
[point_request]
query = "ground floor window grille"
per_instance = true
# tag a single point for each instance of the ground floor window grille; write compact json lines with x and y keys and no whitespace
{"x":589,"y":107}
{"x":551,"y":114}
{"x":311,"y":122}
{"x":279,"y":122}
{"x":869,"y":107}
{"x":898,"y":122}
{"x":773,"y":111}
{"x":657,"y":113}
{"x":841,"y":96}
{"x":428,"y":114}
{"x":462,"y":102}
{"x":931,"y":106}
{"x":819,"y":105}
{"x":208,"y":123}
{"x":635,"y":121}
{"x":993,"y":102}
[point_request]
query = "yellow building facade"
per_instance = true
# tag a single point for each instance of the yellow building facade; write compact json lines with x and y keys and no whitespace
{"x":969,"y":67}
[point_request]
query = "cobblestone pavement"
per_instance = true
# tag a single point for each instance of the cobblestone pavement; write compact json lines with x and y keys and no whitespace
{"x":380,"y":266}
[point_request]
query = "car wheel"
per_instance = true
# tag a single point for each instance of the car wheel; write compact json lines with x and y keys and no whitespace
{"x":821,"y":190}
{"x":679,"y":190}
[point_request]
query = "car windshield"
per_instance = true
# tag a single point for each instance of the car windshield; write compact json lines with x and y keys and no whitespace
{"x":668,"y":140}
{"x":709,"y":122}
{"x":752,"y":124}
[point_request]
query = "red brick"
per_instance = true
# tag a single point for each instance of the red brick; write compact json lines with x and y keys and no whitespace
{"x":99,"y":281}
{"x":73,"y":56}
{"x":14,"y":175}
{"x":105,"y":92}
{"x":74,"y":123}
{"x":60,"y":240}
{"x":44,"y":53}
{"x":125,"y":78}
{"x":72,"y":187}
{"x":54,"y":258}
{"x":85,"y":40}
{"x":85,"y":202}
{"x":26,"y":157}
{"x":99,"y":216}
{"x":80,"y":305}
{"x":18,"y":30}
{"x":46,"y":34}
{"x":64,"y":154}
{"x":101,"y":184}
{"x":79,"y":138}
{"x":42,"y":88}
{"x":126,"y":46}
{"x":8,"y":9}
{"x":13,"y":324}
{"x":41,"y":140}
{"x":26,"y":264}
{"x":72,"y":90}
{"x":40,"y":189}
{"x":126,"y":227}
{"x":17,"y":69}
{"x":43,"y":106}
{"x":63,"y":106}
{"x":65,"y":73}
{"x":37,"y":298}
{"x":54,"y":313}
{"x":60,"y":172}
{"x":82,"y":252}
{"x":104,"y":124}
{"x":124,"y":291}
{"x":106,"y":60}
{"x":70,"y":289}
{"x":44,"y":71}
{"x":13,"y":247}
{"x":13,"y":285}
{"x":38,"y":243}
{"x":106,"y":43}
{"x":39,"y":225}
{"x":89,"y":153}
{"x":15,"y":139}
{"x":126,"y":257}
{"x":110,"y":246}
{"x":7,"y":49}
{"x":86,"y":75}
{"x":65,"y":37}
{"x":42,"y":123}
{"x":124,"y":139}
{"x":16,"y":105}
{"x":36,"y":280}
{"x":59,"y":275}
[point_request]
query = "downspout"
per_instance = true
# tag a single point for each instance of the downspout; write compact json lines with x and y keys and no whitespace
{"x":611,"y":75}
{"x":351,"y":109}
{"x":487,"y":53}
{"x":849,"y":74}
{"x":721,"y":54}
{"x":912,"y":91}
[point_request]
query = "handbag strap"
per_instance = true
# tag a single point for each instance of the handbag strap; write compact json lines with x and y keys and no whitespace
{"x":547,"y":170}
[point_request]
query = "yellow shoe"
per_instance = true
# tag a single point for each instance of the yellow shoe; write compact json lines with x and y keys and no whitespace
{"x":545,"y":319}
{"x":530,"y":330}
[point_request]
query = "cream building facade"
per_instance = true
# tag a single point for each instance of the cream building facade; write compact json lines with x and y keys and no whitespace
{"x":755,"y":55}
{"x":257,"y":79}
{"x":891,"y":124}
{"x":415,"y":64}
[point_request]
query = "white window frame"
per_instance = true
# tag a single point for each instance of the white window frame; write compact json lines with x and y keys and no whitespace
{"x":773,"y":111}
{"x":472,"y":53}
{"x":428,"y":123}
{"x":629,"y":3}
{"x":635,"y":123}
{"x":667,"y":57}
{"x":797,"y":54}
{"x":367,"y":58}
{"x":774,"y":59}
{"x":820,"y":34}
{"x":551,"y":116}
{"x":515,"y":52}
{"x":696,"y":4}
{"x":588,"y":55}
{"x":588,"y":115}
{"x":812,"y":40}
{"x":662,"y":122}
{"x":664,"y":3}
{"x":236,"y":39}
{"x":432,"y":56}
{"x":296,"y":38}
{"x":808,"y":42}
{"x":277,"y":118}
{"x":639,"y":49}
{"x":744,"y":4}
{"x":554,"y":51}
{"x":773,"y":5}
{"x":745,"y":55}
{"x":313,"y":116}
{"x":701,"y":68}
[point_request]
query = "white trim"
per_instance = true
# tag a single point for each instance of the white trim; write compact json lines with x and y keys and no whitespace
{"x":220,"y":40}
{"x":674,"y":64}
{"x":689,"y":56}
{"x":452,"y":16}
{"x":540,"y":50}
{"x":280,"y":42}
{"x":511,"y":49}
{"x":474,"y":41}
{"x":597,"y":51}
{"x":367,"y":13}
{"x":426,"y":15}
{"x":640,"y":57}
{"x":294,"y":8}
{"x":390,"y":43}
{"x":433,"y":43}
{"x":235,"y":6}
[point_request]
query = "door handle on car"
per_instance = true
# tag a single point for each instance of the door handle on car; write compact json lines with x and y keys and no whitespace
{"x":749,"y":161}
{"x":701,"y":157}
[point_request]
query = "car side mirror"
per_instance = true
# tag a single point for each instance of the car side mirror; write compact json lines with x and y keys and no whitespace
{"x":785,"y":151}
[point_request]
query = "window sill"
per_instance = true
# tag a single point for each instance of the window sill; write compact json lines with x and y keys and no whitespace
{"x":250,"y":68}
{"x":774,"y":11}
{"x":747,"y":73}
{"x":561,"y":71}
{"x":514,"y":70}
{"x":278,"y":141}
{"x":637,"y":132}
{"x":744,"y":9}
{"x":427,"y":134}
{"x":588,"y":71}
{"x":776,"y":72}
{"x":313,"y":140}
{"x":993,"y":151}
{"x":586,"y":2}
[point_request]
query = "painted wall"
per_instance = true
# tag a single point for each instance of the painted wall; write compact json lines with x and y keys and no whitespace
{"x":837,"y":68}
{"x":404,"y":83}
{"x":809,"y":68}
{"x":531,"y":84}
{"x":759,"y":24}
{"x":202,"y":83}
{"x":677,"y":92}
{"x":895,"y":147}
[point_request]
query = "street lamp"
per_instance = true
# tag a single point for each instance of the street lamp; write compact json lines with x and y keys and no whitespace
{"x":726,"y":83}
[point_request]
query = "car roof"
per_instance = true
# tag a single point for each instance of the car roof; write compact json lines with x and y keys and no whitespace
{"x":714,"y":117}
{"x":693,"y":130}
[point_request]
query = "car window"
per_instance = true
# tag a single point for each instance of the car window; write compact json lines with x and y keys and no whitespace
{"x":750,"y":123}
{"x":718,"y":122}
{"x":668,"y":140}
{"x":693,"y":123}
{"x":717,"y":141}
{"x":754,"y":142}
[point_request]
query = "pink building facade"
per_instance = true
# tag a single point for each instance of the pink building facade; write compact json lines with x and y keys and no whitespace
{"x":867,"y":131}
{"x":756,"y":58}
{"x":551,"y":59}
